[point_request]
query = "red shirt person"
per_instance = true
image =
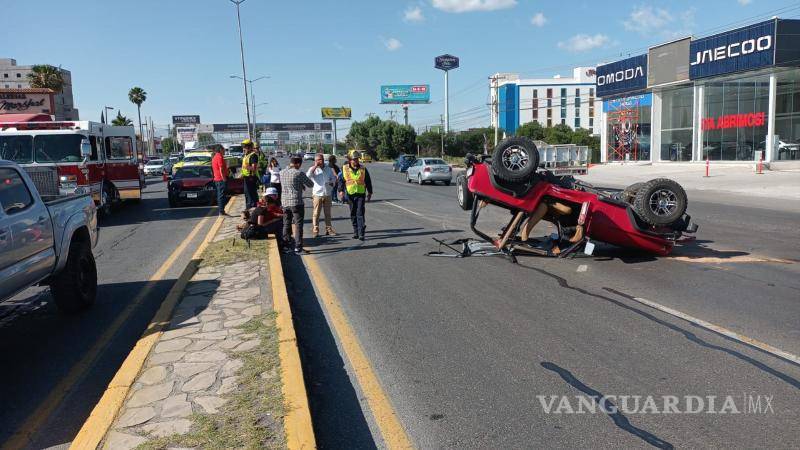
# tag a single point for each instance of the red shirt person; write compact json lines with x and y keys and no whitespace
{"x":220,"y":172}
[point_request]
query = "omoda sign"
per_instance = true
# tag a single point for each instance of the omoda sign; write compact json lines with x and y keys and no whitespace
{"x":628,"y":75}
{"x":745,"y":48}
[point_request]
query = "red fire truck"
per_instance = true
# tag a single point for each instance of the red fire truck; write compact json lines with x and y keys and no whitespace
{"x":77,"y":157}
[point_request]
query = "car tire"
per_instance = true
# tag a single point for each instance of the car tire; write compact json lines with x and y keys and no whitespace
{"x":447,"y":183}
{"x":660,"y":202}
{"x":172,"y":202}
{"x":628,"y":195}
{"x":419,"y":180}
{"x":75,"y":288}
{"x":515,"y":159}
{"x":465,"y":197}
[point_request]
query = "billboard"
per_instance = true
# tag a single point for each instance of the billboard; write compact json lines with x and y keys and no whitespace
{"x":27,"y":101}
{"x":628,"y":75}
{"x":186,"y":134}
{"x":745,"y":48}
{"x":787,"y":37}
{"x":337,"y":113}
{"x":242,"y":127}
{"x":634,"y":101}
{"x":186,"y":120}
{"x":668,"y":63}
{"x":405,"y":93}
{"x":446,"y":62}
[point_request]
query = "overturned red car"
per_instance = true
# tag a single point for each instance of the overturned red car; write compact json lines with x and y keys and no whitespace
{"x":649,"y":216}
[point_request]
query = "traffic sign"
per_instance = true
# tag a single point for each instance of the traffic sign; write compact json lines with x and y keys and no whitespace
{"x":446,"y":62}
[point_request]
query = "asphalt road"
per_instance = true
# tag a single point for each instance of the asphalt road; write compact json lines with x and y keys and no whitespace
{"x":465,"y":348}
{"x":39,"y":347}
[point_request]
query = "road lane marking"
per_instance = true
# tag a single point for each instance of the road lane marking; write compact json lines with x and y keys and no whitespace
{"x":297,"y":424}
{"x":404,"y":209}
{"x":715,"y":328}
{"x":393,"y":433}
{"x":27,"y":431}
{"x":730,"y":259}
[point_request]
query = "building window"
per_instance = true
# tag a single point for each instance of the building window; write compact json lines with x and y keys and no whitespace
{"x":677,"y":109}
{"x":577,"y":102}
{"x":549,"y":112}
{"x":535,"y":113}
{"x":735,"y":116}
{"x":563,"y":92}
{"x":5,"y":75}
{"x":591,"y":122}
{"x":549,"y":93}
{"x":19,"y":86}
{"x":628,"y":127}
{"x":6,"y":86}
{"x":549,"y":103}
{"x":577,"y":92}
{"x":577,"y":111}
{"x":535,"y":94}
{"x":591,"y":92}
{"x":563,"y":121}
{"x":577,"y":122}
{"x":591,"y":109}
{"x":563,"y":112}
{"x":19,"y":75}
{"x":787,"y":116}
{"x":549,"y":123}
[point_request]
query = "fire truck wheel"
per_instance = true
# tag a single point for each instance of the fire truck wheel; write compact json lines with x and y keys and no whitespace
{"x":107,"y":199}
{"x":515,"y":159}
{"x":75,"y":288}
{"x":660,"y":202}
{"x":465,"y":197}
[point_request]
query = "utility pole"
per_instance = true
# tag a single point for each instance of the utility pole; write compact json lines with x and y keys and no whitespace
{"x":495,"y":109}
{"x":244,"y":70}
{"x":441,"y":131}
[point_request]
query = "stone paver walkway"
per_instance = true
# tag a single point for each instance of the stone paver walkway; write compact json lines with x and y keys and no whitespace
{"x":193,"y":366}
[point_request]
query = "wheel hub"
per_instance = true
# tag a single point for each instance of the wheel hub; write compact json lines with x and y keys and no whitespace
{"x":663,"y":202}
{"x":515,"y":158}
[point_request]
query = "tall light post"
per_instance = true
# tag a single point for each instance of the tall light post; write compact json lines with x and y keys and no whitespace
{"x":106,"y":108}
{"x":244,"y":70}
{"x":252,"y":95}
{"x":446,"y":63}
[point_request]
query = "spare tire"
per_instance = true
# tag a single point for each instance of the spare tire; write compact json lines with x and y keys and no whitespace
{"x":515,"y":160}
{"x":628,"y":195}
{"x":660,"y":202}
{"x":465,"y":197}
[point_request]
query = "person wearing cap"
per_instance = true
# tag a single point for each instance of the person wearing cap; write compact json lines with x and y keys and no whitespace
{"x":323,"y":178}
{"x":220,"y":172}
{"x":250,"y":174}
{"x":355,"y":187}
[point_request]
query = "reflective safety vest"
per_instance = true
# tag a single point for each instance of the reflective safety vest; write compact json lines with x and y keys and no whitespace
{"x":354,"y":180}
{"x":246,"y":162}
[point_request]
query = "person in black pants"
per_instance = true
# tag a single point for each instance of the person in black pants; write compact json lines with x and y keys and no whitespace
{"x":355,"y":187}
{"x":250,"y":174}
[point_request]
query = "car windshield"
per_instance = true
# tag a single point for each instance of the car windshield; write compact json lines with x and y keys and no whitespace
{"x":192,"y":159}
{"x":58,"y":148}
{"x":193,"y":172}
{"x":435,"y":162}
{"x":155,"y":162}
{"x":17,"y":148}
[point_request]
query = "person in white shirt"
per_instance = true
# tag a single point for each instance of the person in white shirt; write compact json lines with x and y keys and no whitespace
{"x":324,"y":179}
{"x":274,"y":174}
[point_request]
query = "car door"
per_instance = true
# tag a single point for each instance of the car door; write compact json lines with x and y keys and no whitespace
{"x":30,"y":254}
{"x":414,"y":169}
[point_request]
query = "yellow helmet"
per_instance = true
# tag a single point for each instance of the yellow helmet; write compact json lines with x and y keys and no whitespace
{"x":353,"y":154}
{"x":247,"y":142}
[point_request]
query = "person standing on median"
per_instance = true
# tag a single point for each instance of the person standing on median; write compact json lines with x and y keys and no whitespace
{"x":293,"y":181}
{"x":323,"y":178}
{"x":220,"y":171}
{"x":250,"y":174}
{"x":355,"y":186}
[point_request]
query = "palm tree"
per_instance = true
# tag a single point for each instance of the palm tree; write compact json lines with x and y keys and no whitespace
{"x":45,"y":76}
{"x":138,"y":96}
{"x":121,"y":120}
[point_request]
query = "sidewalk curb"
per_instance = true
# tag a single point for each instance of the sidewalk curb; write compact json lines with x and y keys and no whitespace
{"x":107,"y":408}
{"x":297,"y":423}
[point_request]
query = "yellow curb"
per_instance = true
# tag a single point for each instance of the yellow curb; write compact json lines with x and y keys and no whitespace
{"x":105,"y":411}
{"x":297,"y":420}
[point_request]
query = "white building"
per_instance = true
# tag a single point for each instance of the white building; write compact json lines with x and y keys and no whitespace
{"x":549,"y":101}
{"x":13,"y":76}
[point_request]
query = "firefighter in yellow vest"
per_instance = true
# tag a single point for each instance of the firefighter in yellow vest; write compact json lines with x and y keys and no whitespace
{"x":250,"y":174}
{"x":355,"y":187}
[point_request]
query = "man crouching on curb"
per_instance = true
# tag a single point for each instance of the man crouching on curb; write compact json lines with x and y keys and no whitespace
{"x":355,"y":187}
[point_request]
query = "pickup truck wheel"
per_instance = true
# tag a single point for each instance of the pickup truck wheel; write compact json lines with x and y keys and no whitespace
{"x":660,"y":202}
{"x":515,"y":159}
{"x":465,"y":197}
{"x":628,"y":195}
{"x":75,"y":288}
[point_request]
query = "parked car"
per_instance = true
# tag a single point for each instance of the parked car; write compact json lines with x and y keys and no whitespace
{"x":309,"y":156}
{"x":195,"y":185}
{"x":430,"y":170}
{"x":46,"y":240}
{"x":154,"y":167}
{"x":403,"y":162}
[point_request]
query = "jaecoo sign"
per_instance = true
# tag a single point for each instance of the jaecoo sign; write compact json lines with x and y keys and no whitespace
{"x":628,"y":75}
{"x":745,"y":48}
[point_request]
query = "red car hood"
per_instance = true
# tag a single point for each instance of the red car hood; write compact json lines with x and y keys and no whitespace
{"x":193,"y":182}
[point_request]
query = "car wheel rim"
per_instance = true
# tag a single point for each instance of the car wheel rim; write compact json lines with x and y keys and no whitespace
{"x":460,"y":194}
{"x":514,"y":158}
{"x":663,"y":202}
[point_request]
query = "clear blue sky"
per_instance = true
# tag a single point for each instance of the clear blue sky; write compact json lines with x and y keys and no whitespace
{"x":334,"y":53}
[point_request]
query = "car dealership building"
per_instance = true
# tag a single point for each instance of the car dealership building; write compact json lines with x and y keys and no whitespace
{"x":733,"y":96}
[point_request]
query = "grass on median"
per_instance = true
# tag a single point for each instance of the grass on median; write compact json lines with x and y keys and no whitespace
{"x":253,"y":416}
{"x":233,"y":250}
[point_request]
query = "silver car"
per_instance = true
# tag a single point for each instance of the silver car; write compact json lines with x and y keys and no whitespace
{"x":430,"y":170}
{"x":154,"y":167}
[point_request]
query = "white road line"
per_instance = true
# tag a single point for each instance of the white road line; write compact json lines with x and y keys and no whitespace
{"x":720,"y":330}
{"x":404,"y":209}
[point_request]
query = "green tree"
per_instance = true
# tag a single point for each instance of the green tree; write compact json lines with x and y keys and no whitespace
{"x":404,"y":140}
{"x":559,"y":134}
{"x":137,"y":96}
{"x":204,"y":139}
{"x":45,"y":76}
{"x":533,"y":130}
{"x":121,"y":120}
{"x":169,"y":145}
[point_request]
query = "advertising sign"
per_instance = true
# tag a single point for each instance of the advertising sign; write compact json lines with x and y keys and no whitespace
{"x":405,"y":93}
{"x":628,"y":75}
{"x":745,"y":48}
{"x":230,"y":127}
{"x":186,"y":134}
{"x":668,"y":63}
{"x":337,"y":113}
{"x":446,"y":62}
{"x":185,"y":120}
{"x":631,"y":102}
{"x":310,"y":126}
{"x":787,"y":37}
{"x":26,"y":101}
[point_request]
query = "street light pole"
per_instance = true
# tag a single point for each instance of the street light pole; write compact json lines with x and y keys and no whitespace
{"x":244,"y":70}
{"x":106,"y":108}
{"x":252,"y":98}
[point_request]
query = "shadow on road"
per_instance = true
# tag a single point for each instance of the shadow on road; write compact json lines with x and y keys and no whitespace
{"x":339,"y":421}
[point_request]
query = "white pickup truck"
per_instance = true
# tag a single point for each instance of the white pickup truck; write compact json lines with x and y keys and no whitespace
{"x":46,"y":241}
